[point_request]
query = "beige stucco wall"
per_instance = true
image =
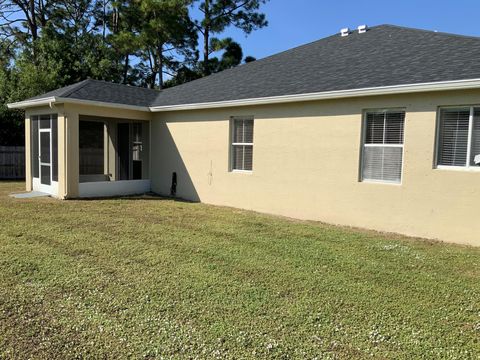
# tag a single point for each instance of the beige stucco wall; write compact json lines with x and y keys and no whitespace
{"x":306,"y":166}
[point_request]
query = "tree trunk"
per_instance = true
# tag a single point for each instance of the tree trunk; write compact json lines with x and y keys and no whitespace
{"x":160,"y":65}
{"x":152,"y":80}
{"x":206,"y":35}
{"x":115,"y":20}
{"x":42,"y":14}
{"x":104,"y":22}
{"x":152,"y":62}
{"x":125,"y":68}
{"x":33,"y":22}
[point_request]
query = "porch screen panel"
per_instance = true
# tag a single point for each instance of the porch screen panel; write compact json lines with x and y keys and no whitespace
{"x":137,"y":149}
{"x":91,"y":146}
{"x":45,"y":121}
{"x":453,"y":137}
{"x":45,"y":179}
{"x":34,"y":146}
{"x":54,"y":147}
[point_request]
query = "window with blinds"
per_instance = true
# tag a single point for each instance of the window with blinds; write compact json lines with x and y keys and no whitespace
{"x":382,"y":153}
{"x":242,"y":144}
{"x":458,"y":137}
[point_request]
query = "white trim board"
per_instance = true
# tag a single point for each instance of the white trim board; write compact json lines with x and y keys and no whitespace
{"x":337,"y":94}
{"x":60,"y":100}
{"x":113,"y":188}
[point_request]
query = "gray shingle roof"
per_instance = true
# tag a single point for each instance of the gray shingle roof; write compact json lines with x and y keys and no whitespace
{"x":103,"y":91}
{"x":383,"y":56}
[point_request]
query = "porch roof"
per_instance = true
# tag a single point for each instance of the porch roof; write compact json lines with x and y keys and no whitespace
{"x":95,"y":92}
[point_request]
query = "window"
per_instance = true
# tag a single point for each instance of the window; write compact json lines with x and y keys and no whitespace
{"x":458,"y":137}
{"x":242,"y":144}
{"x":382,"y":153}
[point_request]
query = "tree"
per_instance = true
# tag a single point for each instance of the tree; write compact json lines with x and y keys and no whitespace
{"x":232,"y":56}
{"x":11,"y":129}
{"x":123,"y":23}
{"x":46,"y":44}
{"x":75,"y":30}
{"x":22,"y":20}
{"x":167,"y":37}
{"x":219,"y":14}
{"x":183,"y":75}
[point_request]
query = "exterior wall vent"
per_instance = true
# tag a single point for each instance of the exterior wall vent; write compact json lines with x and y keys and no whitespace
{"x":345,"y":31}
{"x":362,"y":29}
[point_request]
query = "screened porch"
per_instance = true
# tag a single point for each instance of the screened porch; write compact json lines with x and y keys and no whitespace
{"x":113,"y":156}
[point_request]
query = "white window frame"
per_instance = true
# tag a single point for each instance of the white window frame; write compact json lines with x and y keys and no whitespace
{"x":363,"y":146}
{"x":233,"y":144}
{"x":467,"y":166}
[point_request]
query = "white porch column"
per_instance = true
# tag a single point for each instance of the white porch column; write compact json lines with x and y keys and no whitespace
{"x":28,"y":154}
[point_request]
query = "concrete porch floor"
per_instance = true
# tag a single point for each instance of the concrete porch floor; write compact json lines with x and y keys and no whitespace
{"x":29,"y":195}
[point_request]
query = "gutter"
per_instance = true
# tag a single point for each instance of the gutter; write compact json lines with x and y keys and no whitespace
{"x":326,"y":95}
{"x":29,"y":103}
{"x":50,"y":101}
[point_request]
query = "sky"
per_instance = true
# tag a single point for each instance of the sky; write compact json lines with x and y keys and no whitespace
{"x":296,"y":22}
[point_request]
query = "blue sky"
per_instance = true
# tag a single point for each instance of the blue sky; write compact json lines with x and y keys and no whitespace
{"x":296,"y":22}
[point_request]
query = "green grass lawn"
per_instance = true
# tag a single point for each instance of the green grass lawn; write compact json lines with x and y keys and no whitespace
{"x":154,"y":278}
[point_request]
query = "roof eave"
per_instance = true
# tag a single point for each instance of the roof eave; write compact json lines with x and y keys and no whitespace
{"x":59,"y":100}
{"x":32,"y":103}
{"x":326,"y":95}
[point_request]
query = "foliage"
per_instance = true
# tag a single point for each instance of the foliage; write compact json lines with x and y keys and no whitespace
{"x":154,"y":278}
{"x":166,"y":30}
{"x":46,"y":44}
{"x":220,"y":14}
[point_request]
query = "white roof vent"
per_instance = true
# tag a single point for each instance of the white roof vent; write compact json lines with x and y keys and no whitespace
{"x":362,"y":29}
{"x":345,"y":31}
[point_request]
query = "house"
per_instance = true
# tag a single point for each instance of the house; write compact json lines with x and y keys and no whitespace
{"x":377,"y":129}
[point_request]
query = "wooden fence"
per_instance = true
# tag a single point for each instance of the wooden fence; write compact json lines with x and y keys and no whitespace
{"x":12,"y":162}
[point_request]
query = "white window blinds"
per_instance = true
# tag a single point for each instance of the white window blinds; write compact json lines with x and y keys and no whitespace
{"x":383,"y":146}
{"x":242,"y":144}
{"x":475,"y":139}
{"x":459,"y":137}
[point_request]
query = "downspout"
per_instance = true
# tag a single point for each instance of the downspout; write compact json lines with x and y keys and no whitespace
{"x":150,"y":151}
{"x":66,"y":142}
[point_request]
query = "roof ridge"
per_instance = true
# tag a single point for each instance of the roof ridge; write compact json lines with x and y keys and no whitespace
{"x":123,"y":85}
{"x":74,"y":88}
{"x":428,"y":31}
